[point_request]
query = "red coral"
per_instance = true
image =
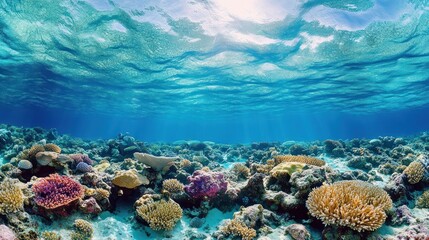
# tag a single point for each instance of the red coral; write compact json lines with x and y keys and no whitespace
{"x":56,"y":191}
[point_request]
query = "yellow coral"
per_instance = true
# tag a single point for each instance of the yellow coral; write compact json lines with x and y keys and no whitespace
{"x":102,"y":166}
{"x":101,"y":194}
{"x":301,"y":159}
{"x":50,"y":147}
{"x":160,"y":215}
{"x":358,"y":205}
{"x":414,"y":172}
{"x":83,"y":230}
{"x":286,"y":168}
{"x":423,"y":200}
{"x":240,"y":229}
{"x":11,"y":197}
{"x":172,"y":186}
{"x":241,"y":170}
{"x":129,"y":179}
{"x":185,"y":163}
{"x":34,"y":150}
{"x":51,"y":236}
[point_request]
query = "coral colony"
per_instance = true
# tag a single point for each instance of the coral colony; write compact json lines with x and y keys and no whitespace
{"x":354,"y":189}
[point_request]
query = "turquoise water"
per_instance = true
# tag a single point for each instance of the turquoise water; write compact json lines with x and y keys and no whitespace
{"x":216,"y":70}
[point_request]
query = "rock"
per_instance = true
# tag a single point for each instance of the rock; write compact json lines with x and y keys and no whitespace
{"x":402,"y":215}
{"x":6,"y":233}
{"x":303,"y":182}
{"x":298,"y":232}
{"x":254,"y":188}
{"x":89,"y":205}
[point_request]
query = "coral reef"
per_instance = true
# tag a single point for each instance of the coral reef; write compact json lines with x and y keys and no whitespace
{"x":414,"y":172}
{"x":355,"y":204}
{"x":236,"y":228}
{"x":172,"y":186}
{"x":129,"y":179}
{"x":299,"y":159}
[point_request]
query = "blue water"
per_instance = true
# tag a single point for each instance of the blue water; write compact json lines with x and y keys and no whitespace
{"x":224,"y":71}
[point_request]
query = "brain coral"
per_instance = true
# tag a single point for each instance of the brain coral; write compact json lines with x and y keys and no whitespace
{"x":286,"y":168}
{"x":300,"y":159}
{"x":414,"y":172}
{"x":34,"y":150}
{"x":56,"y":191}
{"x":160,"y":215}
{"x":11,"y":197}
{"x":358,"y":205}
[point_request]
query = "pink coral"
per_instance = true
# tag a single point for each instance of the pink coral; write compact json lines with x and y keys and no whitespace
{"x":79,"y":157}
{"x":205,"y":184}
{"x":56,"y":191}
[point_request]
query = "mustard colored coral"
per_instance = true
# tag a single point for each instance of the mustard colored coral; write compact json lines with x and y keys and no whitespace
{"x":172,"y":186}
{"x":83,"y":230}
{"x":301,"y":159}
{"x":286,"y":168}
{"x":129,"y":179}
{"x":423,"y":200}
{"x":358,"y":205}
{"x":239,"y":229}
{"x":11,"y":197}
{"x":160,"y":215}
{"x":414,"y":172}
{"x":50,"y":147}
{"x":241,"y":170}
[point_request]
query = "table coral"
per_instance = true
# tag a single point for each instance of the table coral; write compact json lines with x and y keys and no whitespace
{"x":358,"y":205}
{"x":11,"y":197}
{"x":205,"y":184}
{"x":56,"y":191}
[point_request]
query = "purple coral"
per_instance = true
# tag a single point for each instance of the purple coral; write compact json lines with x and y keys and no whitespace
{"x":205,"y":184}
{"x":78,"y":158}
{"x":83,"y":167}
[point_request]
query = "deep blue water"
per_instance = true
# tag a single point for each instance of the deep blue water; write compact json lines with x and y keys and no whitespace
{"x":219,"y":70}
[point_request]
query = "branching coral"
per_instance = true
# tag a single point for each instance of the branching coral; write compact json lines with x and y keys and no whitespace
{"x":56,"y":191}
{"x":11,"y":197}
{"x":160,"y":215}
{"x":414,"y":172}
{"x":358,"y":205}
{"x":172,"y":186}
{"x":237,"y":228}
{"x":300,"y":159}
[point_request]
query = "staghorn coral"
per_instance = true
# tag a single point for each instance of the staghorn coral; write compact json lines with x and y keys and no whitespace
{"x":11,"y":197}
{"x":237,"y":228}
{"x":414,"y":172}
{"x":50,"y":236}
{"x":423,"y":200}
{"x":34,"y":150}
{"x":129,"y":179}
{"x":172,"y":186}
{"x":56,"y":191}
{"x":355,"y":204}
{"x":301,"y":159}
{"x":83,"y":230}
{"x":160,"y":215}
{"x":205,"y":184}
{"x":241,"y":170}
{"x":50,"y":147}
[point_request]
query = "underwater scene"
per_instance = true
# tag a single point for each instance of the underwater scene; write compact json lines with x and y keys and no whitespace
{"x":214,"y":119}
